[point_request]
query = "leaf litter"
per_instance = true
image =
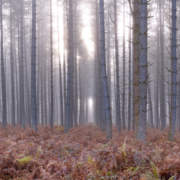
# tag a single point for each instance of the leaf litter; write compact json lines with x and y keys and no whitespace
{"x":85,"y":154}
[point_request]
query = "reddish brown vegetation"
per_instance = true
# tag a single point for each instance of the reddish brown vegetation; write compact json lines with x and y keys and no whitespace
{"x":85,"y":154}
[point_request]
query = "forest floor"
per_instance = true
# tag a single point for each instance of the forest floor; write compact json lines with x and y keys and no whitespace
{"x":85,"y":154}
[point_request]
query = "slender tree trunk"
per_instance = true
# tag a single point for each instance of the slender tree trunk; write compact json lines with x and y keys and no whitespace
{"x":51,"y":68}
{"x":38,"y":68}
{"x":64,"y":88}
{"x":108,"y":52}
{"x":98,"y":108}
{"x":45,"y":95}
{"x":173,"y":71}
{"x":81,"y":119}
{"x":75,"y":108}
{"x":3,"y":75}
{"x":60,"y":78}
{"x":130,"y":81}
{"x":42,"y":99}
{"x":162,"y":81}
{"x":21,"y":67}
{"x":70,"y":71}
{"x":136,"y":47}
{"x":150,"y":112}
{"x":27,"y":87}
{"x":143,"y":73}
{"x":17,"y":77}
{"x":107,"y":108}
{"x":118,"y":109}
{"x":13,"y":114}
{"x":33,"y":69}
{"x":124,"y":71}
{"x":61,"y":95}
{"x":156,"y":90}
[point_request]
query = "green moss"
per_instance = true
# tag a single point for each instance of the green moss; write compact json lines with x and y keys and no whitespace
{"x":155,"y":171}
{"x":133,"y":170}
{"x":25,"y":160}
{"x":172,"y":178}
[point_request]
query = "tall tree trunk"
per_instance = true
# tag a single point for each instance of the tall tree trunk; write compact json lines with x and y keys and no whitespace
{"x":124,"y":71}
{"x":82,"y":98}
{"x":162,"y":80}
{"x":27,"y":86}
{"x":107,"y":108}
{"x":61,"y":94}
{"x":108,"y":59}
{"x":136,"y":29}
{"x":150,"y":110}
{"x":98,"y":108}
{"x":17,"y":76}
{"x":70,"y":71}
{"x":156,"y":86}
{"x":21,"y":67}
{"x":75,"y":86}
{"x":60,"y":77}
{"x":118,"y":109}
{"x":33,"y":69}
{"x":13,"y":114}
{"x":143,"y":73}
{"x":3,"y":75}
{"x":130,"y":80}
{"x":173,"y":71}
{"x":51,"y":68}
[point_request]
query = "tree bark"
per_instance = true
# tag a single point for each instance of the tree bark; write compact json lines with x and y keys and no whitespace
{"x":118,"y":108}
{"x":107,"y":108}
{"x":51,"y":69}
{"x":33,"y":69}
{"x":3,"y":74}
{"x":173,"y":71}
{"x":143,"y":73}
